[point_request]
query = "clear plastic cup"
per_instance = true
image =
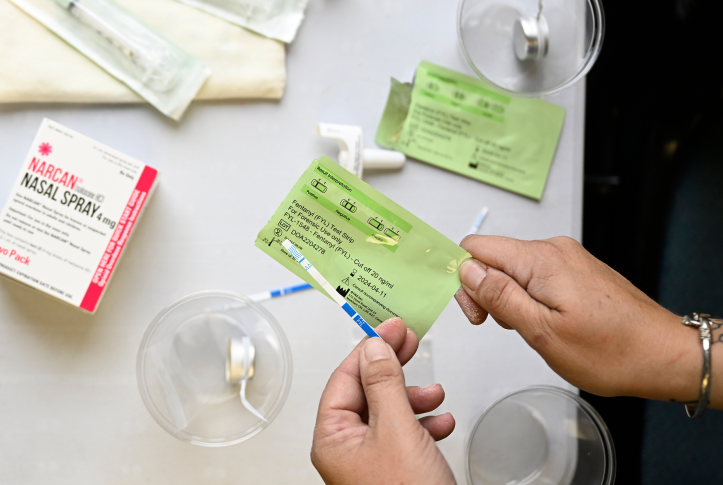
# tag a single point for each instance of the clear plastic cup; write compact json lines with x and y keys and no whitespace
{"x":540,"y":435}
{"x":181,"y":368}
{"x":562,"y":39}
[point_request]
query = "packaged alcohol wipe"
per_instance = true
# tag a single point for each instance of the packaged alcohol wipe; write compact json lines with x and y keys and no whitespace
{"x":156,"y":69}
{"x":278,"y":19}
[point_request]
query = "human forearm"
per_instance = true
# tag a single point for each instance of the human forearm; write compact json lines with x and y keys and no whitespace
{"x":716,"y":390}
{"x":671,"y":361}
{"x":691,"y":366}
{"x":591,"y":325}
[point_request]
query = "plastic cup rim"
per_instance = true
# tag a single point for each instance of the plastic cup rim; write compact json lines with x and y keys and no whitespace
{"x":188,"y":437}
{"x":602,"y":429}
{"x":598,"y":15}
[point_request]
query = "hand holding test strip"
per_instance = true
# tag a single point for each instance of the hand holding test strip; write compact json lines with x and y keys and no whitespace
{"x":367,"y":414}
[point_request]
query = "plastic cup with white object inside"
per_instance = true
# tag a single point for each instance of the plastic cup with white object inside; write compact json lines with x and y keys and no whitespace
{"x":531,"y":47}
{"x":183,"y":368}
{"x":540,"y":435}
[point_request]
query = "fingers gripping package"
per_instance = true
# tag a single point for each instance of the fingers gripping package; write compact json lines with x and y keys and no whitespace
{"x":70,"y":214}
{"x":156,"y":69}
{"x":381,"y":258}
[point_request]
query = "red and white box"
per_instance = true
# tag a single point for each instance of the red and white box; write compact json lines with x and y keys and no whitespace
{"x":70,"y":214}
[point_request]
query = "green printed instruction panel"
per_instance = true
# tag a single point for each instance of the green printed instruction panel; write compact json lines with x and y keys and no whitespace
{"x":461,"y":124}
{"x":384,"y":260}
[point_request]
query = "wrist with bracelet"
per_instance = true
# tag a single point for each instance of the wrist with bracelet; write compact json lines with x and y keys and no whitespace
{"x":702,"y":322}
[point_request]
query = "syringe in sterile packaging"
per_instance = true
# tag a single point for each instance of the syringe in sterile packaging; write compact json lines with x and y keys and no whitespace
{"x":151,"y":59}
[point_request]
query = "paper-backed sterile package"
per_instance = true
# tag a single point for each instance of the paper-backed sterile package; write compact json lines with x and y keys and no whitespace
{"x":277,"y":19}
{"x":70,"y":214}
{"x":124,"y":46}
{"x":383,"y":259}
{"x":38,"y":66}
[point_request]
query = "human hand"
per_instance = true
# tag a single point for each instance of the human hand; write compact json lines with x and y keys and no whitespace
{"x":591,"y":325}
{"x":366,"y":430}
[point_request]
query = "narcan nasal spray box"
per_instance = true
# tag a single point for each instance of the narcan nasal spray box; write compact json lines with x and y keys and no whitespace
{"x":70,"y":214}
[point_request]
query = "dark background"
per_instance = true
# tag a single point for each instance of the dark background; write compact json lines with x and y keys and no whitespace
{"x":653,"y":204}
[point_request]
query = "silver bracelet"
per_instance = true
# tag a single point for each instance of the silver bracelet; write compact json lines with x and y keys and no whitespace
{"x":701,"y":322}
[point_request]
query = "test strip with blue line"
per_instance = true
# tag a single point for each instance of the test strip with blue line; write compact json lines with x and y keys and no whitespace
{"x":267,"y":295}
{"x":478,"y":222}
{"x":294,"y":251}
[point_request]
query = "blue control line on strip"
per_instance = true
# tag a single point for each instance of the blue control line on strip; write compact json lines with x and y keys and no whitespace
{"x":314,"y":273}
{"x":267,"y":295}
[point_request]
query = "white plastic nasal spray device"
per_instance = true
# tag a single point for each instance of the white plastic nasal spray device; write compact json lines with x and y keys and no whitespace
{"x":352,"y":154}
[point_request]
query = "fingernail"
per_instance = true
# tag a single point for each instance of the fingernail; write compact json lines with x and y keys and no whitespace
{"x":429,"y":386}
{"x":472,"y":273}
{"x":376,"y":349}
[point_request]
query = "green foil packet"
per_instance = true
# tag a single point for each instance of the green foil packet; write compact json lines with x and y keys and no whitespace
{"x":383,"y":259}
{"x":465,"y":125}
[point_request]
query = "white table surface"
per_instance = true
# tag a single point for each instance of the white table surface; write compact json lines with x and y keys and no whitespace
{"x":69,"y":402}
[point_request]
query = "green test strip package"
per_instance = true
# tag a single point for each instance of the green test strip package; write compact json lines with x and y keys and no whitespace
{"x":156,"y":69}
{"x":383,"y":259}
{"x":465,"y":125}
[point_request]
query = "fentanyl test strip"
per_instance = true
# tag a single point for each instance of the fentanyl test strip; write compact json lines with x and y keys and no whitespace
{"x":306,"y":264}
{"x":478,"y":222}
{"x":267,"y":295}
{"x":263,"y":296}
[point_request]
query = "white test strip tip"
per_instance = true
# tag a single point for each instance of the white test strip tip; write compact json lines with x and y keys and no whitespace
{"x":478,"y":222}
{"x":314,"y":273}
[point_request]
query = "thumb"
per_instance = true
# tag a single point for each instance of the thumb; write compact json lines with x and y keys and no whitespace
{"x":383,"y":382}
{"x":500,"y":295}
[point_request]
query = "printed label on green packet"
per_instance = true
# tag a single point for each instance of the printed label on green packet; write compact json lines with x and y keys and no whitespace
{"x":384,"y":260}
{"x":461,"y":124}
